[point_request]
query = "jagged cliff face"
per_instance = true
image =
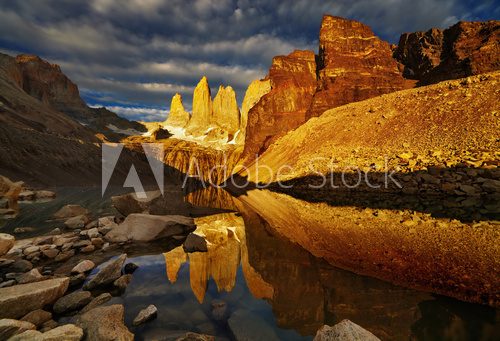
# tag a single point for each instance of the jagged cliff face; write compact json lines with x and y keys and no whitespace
{"x":254,"y":93}
{"x":465,"y":49}
{"x":353,"y":65}
{"x":178,"y":117}
{"x":293,"y":83}
{"x":47,"y":83}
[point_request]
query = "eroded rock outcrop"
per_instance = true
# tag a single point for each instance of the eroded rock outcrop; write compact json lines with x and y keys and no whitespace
{"x":353,"y":65}
{"x":178,"y":117}
{"x":465,"y":49}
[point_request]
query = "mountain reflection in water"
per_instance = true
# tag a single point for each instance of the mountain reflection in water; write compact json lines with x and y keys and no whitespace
{"x":290,"y":292}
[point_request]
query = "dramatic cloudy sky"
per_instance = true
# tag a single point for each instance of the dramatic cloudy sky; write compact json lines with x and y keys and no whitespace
{"x":133,"y":55}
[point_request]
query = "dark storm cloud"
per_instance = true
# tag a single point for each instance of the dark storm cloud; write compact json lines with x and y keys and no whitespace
{"x":138,"y":53}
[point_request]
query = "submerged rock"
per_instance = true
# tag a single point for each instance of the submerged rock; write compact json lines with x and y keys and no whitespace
{"x":145,"y":227}
{"x":248,"y":326}
{"x":344,"y":331}
{"x":109,"y":273}
{"x":146,"y":315}
{"x":17,"y":301}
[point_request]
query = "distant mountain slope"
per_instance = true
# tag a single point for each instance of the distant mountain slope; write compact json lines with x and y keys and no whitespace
{"x":47,"y":83}
{"x":38,"y":143}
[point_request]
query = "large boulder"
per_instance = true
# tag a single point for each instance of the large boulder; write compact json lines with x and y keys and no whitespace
{"x":129,"y":203}
{"x":67,"y":332}
{"x":107,"y":274}
{"x":18,"y":300}
{"x":145,"y":228}
{"x":10,"y":190}
{"x":105,"y":324}
{"x":72,"y":302}
{"x":344,"y":331}
{"x":70,"y":211}
{"x":7,"y":241}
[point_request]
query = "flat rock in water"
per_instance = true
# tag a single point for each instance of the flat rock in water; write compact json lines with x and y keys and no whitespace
{"x":146,"y":315}
{"x":18,"y":300}
{"x":73,"y":301}
{"x":83,"y":266}
{"x":69,"y":211}
{"x":344,"y":331}
{"x":146,"y":227}
{"x":113,"y":328}
{"x":108,"y":273}
{"x":77,"y":222}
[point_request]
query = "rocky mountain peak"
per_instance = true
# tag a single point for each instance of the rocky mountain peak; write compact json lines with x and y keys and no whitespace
{"x":47,"y":83}
{"x":464,"y":49}
{"x":178,"y":117}
{"x":226,"y":114}
{"x":202,"y":109}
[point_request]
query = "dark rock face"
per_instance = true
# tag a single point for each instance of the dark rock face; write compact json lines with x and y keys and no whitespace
{"x":353,"y":65}
{"x":293,"y":83}
{"x":47,"y":83}
{"x":465,"y":49}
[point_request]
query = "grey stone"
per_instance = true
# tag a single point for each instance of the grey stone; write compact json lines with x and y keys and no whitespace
{"x":108,"y":273}
{"x":73,"y":301}
{"x":344,"y":331}
{"x":17,"y":301}
{"x":146,"y":315}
